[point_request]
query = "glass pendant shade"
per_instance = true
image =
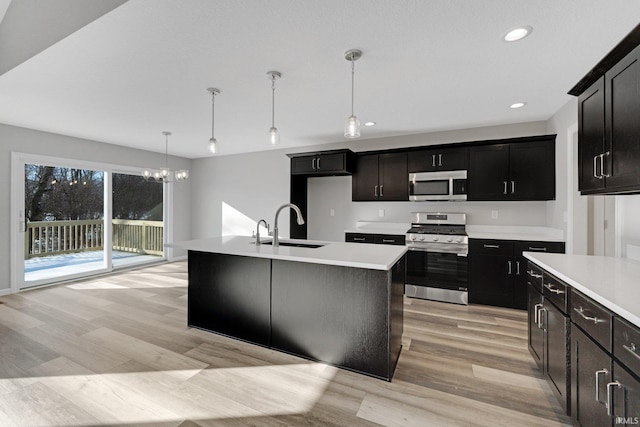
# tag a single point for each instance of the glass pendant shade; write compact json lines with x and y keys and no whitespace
{"x":146,"y":174}
{"x":274,"y":136}
{"x":213,"y":146}
{"x":352,"y":127}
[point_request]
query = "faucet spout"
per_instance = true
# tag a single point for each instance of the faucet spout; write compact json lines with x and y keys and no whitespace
{"x":299,"y":219}
{"x":262,"y":221}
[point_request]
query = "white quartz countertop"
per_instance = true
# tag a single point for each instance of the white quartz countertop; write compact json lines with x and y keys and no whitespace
{"x":374,"y":227}
{"x":523,"y":233}
{"x":358,"y":255}
{"x":613,"y":282}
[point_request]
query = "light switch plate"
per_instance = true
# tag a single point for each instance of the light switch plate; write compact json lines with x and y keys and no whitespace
{"x":381,"y":212}
{"x":332,"y":212}
{"x":494,"y":214}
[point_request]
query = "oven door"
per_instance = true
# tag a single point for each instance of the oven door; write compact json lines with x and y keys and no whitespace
{"x":437,"y":275}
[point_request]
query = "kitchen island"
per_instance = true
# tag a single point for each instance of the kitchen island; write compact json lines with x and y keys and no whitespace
{"x":339,"y":303}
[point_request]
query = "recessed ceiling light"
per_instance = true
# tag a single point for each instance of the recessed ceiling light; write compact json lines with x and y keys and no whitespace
{"x":370,"y":124}
{"x":517,"y":105}
{"x":518,"y":33}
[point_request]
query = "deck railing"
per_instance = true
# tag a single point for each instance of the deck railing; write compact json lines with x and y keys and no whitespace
{"x":43,"y":238}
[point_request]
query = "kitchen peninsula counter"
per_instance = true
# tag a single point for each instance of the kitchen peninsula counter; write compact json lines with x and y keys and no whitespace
{"x":341,"y":303}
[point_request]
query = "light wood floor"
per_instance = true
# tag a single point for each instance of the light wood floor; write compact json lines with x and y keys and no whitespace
{"x":116,"y":351}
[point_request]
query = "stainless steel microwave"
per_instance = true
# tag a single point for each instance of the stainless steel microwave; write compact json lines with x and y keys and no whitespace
{"x":446,"y":185}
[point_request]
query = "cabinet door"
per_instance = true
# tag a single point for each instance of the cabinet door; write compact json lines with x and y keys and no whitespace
{"x":588,"y":361}
{"x":440,"y":159}
{"x":393,"y":177}
{"x":489,"y":281}
{"x":591,"y":136}
{"x":532,"y":170}
{"x":556,"y":351}
{"x":622,"y":88}
{"x":365,"y":181}
{"x":626,"y":397}
{"x":489,"y":172}
{"x":303,"y":165}
{"x":536,"y":334}
{"x":327,"y":163}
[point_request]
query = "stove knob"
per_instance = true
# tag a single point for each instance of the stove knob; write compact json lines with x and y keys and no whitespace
{"x":421,"y":238}
{"x":459,"y":240}
{"x":435,"y":239}
{"x":412,"y":237}
{"x":449,"y":239}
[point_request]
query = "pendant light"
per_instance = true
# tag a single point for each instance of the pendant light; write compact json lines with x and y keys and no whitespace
{"x":274,"y":136}
{"x":213,"y":143}
{"x":164,"y":174}
{"x":352,"y":125}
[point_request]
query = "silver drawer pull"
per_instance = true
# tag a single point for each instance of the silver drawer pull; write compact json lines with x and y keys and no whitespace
{"x":553,"y":289}
{"x":533,"y":248}
{"x":601,"y":371}
{"x":492,"y":246}
{"x":610,"y":397}
{"x":632,"y":349}
{"x":534,"y":274}
{"x":594,"y":319}
{"x":359,"y":239}
{"x":388,"y":241}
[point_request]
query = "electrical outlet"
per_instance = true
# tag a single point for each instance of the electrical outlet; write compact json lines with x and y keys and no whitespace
{"x":381,"y":213}
{"x":494,"y":214}
{"x":332,"y":212}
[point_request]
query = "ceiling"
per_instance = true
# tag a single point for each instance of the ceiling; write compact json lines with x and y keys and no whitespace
{"x":143,"y":67}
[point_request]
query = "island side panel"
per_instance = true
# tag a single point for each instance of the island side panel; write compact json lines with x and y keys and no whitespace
{"x":334,"y":314}
{"x":397,"y":311}
{"x":230,"y":295}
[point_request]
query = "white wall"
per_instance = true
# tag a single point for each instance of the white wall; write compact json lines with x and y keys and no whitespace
{"x":16,"y":139}
{"x":230,"y":193}
{"x":629,"y":218}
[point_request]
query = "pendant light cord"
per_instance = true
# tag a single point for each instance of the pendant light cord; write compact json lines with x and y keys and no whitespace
{"x":352,"y":81}
{"x":273,"y":100}
{"x":213,"y":114}
{"x":166,"y":152}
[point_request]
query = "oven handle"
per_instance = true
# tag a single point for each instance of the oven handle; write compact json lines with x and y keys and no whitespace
{"x":415,"y":249}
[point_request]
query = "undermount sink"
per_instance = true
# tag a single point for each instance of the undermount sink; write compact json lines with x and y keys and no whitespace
{"x":295,"y":244}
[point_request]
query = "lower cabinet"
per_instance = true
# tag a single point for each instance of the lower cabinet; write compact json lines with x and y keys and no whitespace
{"x":497,"y":270}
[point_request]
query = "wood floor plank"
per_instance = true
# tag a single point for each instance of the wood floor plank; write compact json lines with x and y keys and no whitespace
{"x":116,"y":350}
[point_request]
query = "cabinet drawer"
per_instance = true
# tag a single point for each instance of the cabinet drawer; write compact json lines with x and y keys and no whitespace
{"x":534,"y":276}
{"x":491,"y":247}
{"x":555,"y":291}
{"x":532,"y":246}
{"x":594,"y":319}
{"x":390,"y":239}
{"x":359,"y":238}
{"x":626,"y":344}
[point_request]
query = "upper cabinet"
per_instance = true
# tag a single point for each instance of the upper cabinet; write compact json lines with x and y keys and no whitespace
{"x":523,"y":170}
{"x":441,"y":159}
{"x":335,"y":162}
{"x":381,"y":177}
{"x":608,"y":125}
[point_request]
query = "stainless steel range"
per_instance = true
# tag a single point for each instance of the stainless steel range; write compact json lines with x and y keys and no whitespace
{"x":437,"y":257}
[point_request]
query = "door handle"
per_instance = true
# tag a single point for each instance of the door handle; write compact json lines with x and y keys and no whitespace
{"x":555,"y":290}
{"x":313,"y":163}
{"x":595,"y":167}
{"x":517,"y":268}
{"x":375,"y":191}
{"x":318,"y":163}
{"x":513,"y":187}
{"x":540,"y":322}
{"x":602,"y":174}
{"x":509,"y":264}
{"x":610,"y":397}
{"x":433,"y":160}
{"x":381,"y":190}
{"x":505,"y":187}
{"x":601,"y":371}
{"x":536,"y":309}
{"x":439,"y":159}
{"x":593,"y":319}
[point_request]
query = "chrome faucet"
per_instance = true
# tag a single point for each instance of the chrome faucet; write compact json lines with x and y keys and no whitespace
{"x":276,"y":242}
{"x":258,"y":230}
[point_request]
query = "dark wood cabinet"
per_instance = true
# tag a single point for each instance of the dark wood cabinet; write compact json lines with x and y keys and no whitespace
{"x":439,"y":159}
{"x":536,"y":333}
{"x":334,"y":162}
{"x":381,"y":177}
{"x":608,"y":126}
{"x":381,"y":239}
{"x":522,"y":170}
{"x":624,"y":396}
{"x":497,"y":270}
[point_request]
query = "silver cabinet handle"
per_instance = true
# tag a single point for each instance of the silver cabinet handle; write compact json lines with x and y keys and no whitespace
{"x":602,"y":174}
{"x":536,"y":308}
{"x":313,"y":163}
{"x":534,"y":274}
{"x":610,"y":397}
{"x":359,"y":239}
{"x":492,"y":246}
{"x":594,"y":319}
{"x":388,"y":241}
{"x":375,"y":191}
{"x":632,"y":349}
{"x":433,"y":160}
{"x":598,"y":373}
{"x":540,"y":323}
{"x":553,"y":289}
{"x":439,"y":159}
{"x":509,"y":264}
{"x":595,"y":167}
{"x":381,"y":190}
{"x":513,"y":187}
{"x":535,"y":248}
{"x":517,"y":268}
{"x":505,"y":187}
{"x":318,"y":163}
